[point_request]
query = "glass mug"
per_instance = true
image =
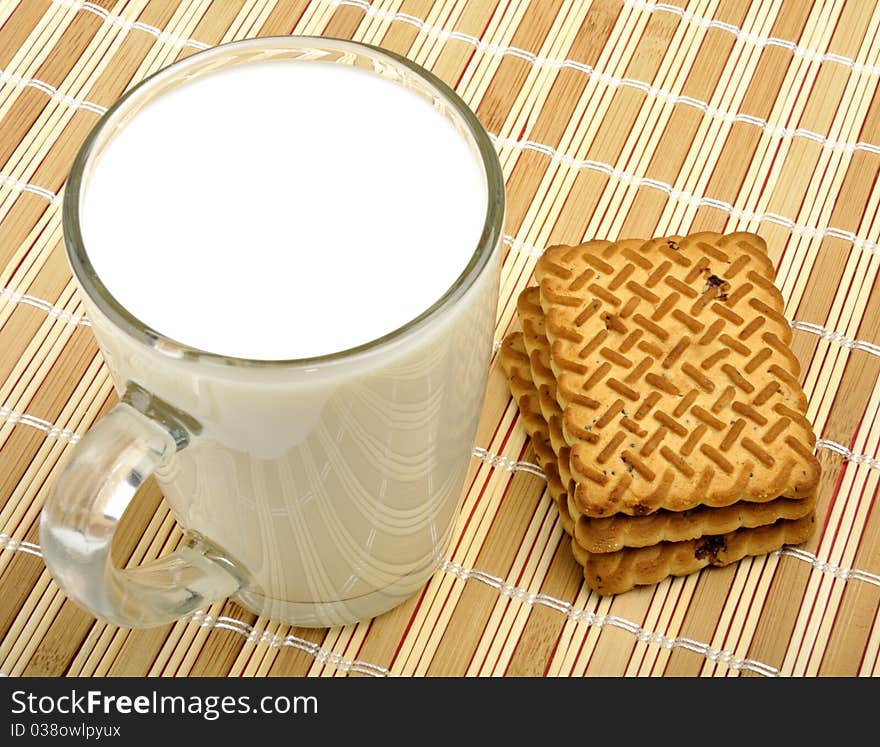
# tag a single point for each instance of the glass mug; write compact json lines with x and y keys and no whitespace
{"x":318,"y":491}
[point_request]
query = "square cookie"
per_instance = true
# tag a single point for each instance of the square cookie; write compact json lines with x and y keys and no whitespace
{"x":676,"y":384}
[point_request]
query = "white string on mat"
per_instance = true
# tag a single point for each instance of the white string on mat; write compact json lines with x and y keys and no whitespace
{"x":494,"y":460}
{"x":687,"y":16}
{"x":608,"y":169}
{"x":273,"y":640}
{"x":536,"y":61}
{"x":53,"y":311}
{"x":510,"y":591}
{"x":124,"y":23}
{"x":613,"y":173}
{"x":847,"y":454}
{"x":56,"y":199}
{"x":506,"y":463}
{"x":522,"y":246}
{"x":610,"y":80}
{"x":836,"y":337}
{"x":688,"y":198}
{"x":202,"y":619}
{"x":13,"y":545}
{"x":497,"y":461}
{"x":749,"y":37}
{"x":9,"y":544}
{"x":51,"y":430}
{"x":16,"y":185}
{"x":836,"y":233}
{"x":608,"y":621}
{"x":835,"y":570}
{"x":52,"y":92}
{"x":66,"y":434}
{"x":839,"y":338}
{"x":715,"y":113}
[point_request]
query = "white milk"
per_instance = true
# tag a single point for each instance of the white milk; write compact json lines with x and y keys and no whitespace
{"x":283,"y":209}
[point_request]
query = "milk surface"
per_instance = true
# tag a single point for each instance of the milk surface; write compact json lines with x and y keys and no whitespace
{"x":283,"y":209}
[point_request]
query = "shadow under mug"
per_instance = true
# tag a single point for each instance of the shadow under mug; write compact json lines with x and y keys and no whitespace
{"x":316,"y":491}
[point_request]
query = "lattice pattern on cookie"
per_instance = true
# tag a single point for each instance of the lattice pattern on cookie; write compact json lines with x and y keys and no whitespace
{"x":674,"y":375}
{"x":612,"y":533}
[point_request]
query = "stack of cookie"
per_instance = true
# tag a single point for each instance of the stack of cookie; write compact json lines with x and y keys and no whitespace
{"x":656,"y":384}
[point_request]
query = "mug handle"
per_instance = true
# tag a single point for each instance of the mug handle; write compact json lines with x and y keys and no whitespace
{"x":79,"y":519}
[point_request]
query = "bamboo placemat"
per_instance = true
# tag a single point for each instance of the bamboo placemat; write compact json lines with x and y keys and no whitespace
{"x":612,"y":118}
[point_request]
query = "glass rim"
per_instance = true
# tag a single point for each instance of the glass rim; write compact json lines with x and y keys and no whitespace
{"x":140,"y":94}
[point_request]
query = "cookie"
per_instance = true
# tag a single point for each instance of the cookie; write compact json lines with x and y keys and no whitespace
{"x":515,"y":363}
{"x":617,"y":572}
{"x":534,"y":337}
{"x":613,"y":572}
{"x":612,"y":533}
{"x":675,"y":381}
